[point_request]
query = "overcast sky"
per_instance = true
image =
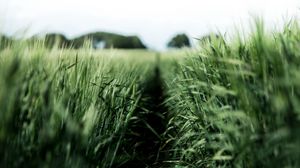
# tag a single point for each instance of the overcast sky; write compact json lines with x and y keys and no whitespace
{"x":155,"y":21}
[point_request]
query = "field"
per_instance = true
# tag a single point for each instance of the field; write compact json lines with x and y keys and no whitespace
{"x":228,"y":103}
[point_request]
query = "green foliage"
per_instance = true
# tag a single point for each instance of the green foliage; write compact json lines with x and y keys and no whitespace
{"x":179,"y":41}
{"x":5,"y":41}
{"x":228,"y":104}
{"x":56,"y":40}
{"x":237,"y":104}
{"x":208,"y":38}
{"x":65,"y":111}
{"x":110,"y":40}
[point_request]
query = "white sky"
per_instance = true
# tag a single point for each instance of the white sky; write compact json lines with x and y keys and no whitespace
{"x":155,"y":21}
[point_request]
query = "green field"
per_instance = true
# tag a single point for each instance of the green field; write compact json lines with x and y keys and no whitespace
{"x":227,"y":103}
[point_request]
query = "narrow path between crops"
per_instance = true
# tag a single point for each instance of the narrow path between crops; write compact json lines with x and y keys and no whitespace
{"x":146,"y":132}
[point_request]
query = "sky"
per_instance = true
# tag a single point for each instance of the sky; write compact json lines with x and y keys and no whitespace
{"x":154,"y":21}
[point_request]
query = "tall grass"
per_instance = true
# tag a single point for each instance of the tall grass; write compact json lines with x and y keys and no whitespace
{"x":229,"y":104}
{"x":65,"y":108}
{"x":237,"y":103}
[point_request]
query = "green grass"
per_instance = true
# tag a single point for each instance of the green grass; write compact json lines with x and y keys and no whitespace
{"x":237,"y":104}
{"x":227,"y":104}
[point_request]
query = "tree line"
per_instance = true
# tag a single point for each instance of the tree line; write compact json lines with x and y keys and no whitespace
{"x":102,"y":40}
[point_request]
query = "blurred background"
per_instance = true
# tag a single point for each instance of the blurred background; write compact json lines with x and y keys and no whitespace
{"x":154,"y":22}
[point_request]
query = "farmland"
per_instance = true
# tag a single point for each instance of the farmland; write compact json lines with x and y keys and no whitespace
{"x":227,"y":103}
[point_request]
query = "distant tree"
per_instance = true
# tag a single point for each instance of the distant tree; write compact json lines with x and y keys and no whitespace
{"x":5,"y":41}
{"x":56,"y":39}
{"x":179,"y":41}
{"x":208,"y":38}
{"x":109,"y":40}
{"x":97,"y":40}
